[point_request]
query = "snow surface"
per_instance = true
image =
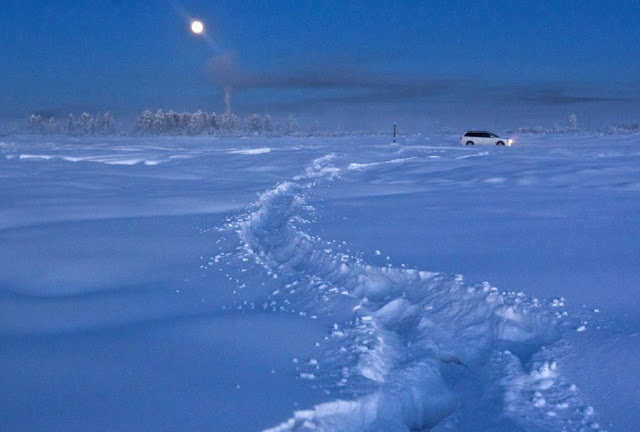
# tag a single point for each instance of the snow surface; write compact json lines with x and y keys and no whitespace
{"x":319,"y":284}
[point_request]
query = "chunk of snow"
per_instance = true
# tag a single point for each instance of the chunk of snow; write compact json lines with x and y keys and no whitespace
{"x":255,"y":151}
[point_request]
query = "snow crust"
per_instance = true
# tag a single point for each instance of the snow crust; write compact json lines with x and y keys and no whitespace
{"x":256,"y":151}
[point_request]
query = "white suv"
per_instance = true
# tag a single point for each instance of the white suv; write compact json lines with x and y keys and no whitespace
{"x":483,"y":137}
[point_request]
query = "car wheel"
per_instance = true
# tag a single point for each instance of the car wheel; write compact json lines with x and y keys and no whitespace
{"x":500,"y":143}
{"x":469,"y":142}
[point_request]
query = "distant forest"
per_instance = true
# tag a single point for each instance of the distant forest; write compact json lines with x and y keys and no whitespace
{"x":166,"y":123}
{"x":85,"y":124}
{"x":228,"y":124}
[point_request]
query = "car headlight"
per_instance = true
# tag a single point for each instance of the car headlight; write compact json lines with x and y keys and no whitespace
{"x":510,"y":141}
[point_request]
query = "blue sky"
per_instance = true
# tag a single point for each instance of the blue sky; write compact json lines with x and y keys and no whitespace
{"x":493,"y":61}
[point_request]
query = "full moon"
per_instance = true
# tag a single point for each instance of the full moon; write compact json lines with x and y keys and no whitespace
{"x":197,"y":27}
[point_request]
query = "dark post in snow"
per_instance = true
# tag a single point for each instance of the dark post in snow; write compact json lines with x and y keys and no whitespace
{"x":394,"y":132}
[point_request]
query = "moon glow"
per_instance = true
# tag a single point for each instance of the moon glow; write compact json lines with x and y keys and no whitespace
{"x":197,"y":27}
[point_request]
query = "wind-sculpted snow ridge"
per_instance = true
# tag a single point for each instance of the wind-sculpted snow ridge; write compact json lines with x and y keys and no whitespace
{"x":420,"y":350}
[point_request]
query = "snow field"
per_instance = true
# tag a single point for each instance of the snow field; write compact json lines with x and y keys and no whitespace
{"x":333,"y":300}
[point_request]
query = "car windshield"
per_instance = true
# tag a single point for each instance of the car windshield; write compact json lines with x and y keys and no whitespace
{"x":494,"y":135}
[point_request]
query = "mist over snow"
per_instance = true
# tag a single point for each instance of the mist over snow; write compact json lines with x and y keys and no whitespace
{"x":330,"y":284}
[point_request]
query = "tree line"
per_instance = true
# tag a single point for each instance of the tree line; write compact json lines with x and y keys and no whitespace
{"x":85,"y":124}
{"x":164,"y":123}
{"x":203,"y":123}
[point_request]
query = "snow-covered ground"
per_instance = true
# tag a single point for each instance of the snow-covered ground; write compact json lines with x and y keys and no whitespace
{"x":319,"y":284}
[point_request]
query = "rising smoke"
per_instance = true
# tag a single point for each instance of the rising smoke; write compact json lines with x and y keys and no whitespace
{"x":356,"y":86}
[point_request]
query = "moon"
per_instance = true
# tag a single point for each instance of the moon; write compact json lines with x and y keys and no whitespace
{"x":197,"y":27}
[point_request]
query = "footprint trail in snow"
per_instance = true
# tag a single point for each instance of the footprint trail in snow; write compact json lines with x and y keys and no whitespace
{"x":414,"y":350}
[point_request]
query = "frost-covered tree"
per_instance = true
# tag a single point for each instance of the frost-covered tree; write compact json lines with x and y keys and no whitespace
{"x":267,"y":124}
{"x":71,"y":125}
{"x":173,"y":123}
{"x":213,"y":121}
{"x":206,"y":123}
{"x":197,"y":123}
{"x":234,"y":122}
{"x":144,"y":123}
{"x":573,"y":123}
{"x":183,"y":123}
{"x":99,"y":125}
{"x":52,"y":127}
{"x":229,"y":122}
{"x":254,"y":124}
{"x":35,"y":123}
{"x":291,"y":126}
{"x":86,"y":124}
{"x":159,"y":124}
{"x":108,"y":124}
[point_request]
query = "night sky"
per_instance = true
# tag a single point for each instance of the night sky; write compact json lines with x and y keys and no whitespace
{"x":484,"y":63}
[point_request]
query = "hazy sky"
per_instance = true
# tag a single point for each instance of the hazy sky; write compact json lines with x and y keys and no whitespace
{"x":491,"y":61}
